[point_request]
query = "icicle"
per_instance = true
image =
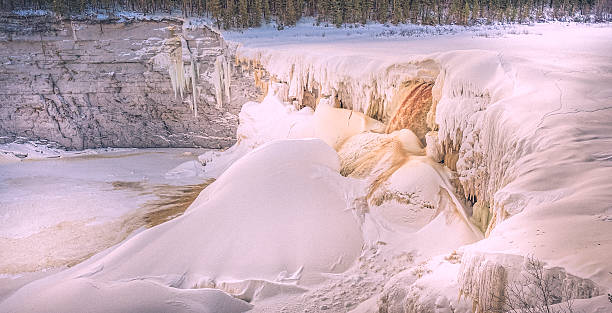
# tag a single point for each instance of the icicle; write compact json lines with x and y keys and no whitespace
{"x":174,"y":62}
{"x":221,"y":80}
{"x":166,"y":61}
{"x":74,"y":29}
{"x":175,"y":67}
{"x":194,"y":82}
{"x":227,"y":77}
{"x":218,"y":80}
{"x":192,"y":79}
{"x":171,"y":58}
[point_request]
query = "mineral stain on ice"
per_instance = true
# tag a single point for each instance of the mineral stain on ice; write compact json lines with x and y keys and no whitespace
{"x":412,"y":103}
{"x":170,"y":202}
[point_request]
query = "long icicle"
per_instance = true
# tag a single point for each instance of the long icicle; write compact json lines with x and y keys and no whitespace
{"x":225,"y":74}
{"x":194,"y":78}
{"x":218,"y":80}
{"x":194,"y":82}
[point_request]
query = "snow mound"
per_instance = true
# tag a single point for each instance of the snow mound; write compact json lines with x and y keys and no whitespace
{"x":84,"y":295}
{"x":278,"y":215}
{"x":260,"y":123}
{"x":334,"y":125}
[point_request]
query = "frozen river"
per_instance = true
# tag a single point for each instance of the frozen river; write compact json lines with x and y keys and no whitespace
{"x":59,"y":211}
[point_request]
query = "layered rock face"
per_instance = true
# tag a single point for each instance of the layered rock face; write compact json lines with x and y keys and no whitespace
{"x":87,"y":84}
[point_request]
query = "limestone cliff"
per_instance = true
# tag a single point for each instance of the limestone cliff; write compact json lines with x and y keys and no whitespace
{"x":88,"y":84}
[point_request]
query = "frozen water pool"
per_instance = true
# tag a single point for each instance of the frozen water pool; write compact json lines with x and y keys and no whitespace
{"x":57,"y":212}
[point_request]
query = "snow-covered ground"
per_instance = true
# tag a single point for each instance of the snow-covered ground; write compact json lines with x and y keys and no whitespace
{"x":308,"y":30}
{"x":527,"y":113}
{"x":23,"y":149}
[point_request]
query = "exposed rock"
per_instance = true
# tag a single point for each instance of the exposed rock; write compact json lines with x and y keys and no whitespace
{"x":87,"y":84}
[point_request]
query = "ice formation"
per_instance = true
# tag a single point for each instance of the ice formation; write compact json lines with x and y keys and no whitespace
{"x":381,"y":89}
{"x":193,"y":65}
{"x":514,"y":132}
{"x":509,"y":156}
{"x":221,"y":80}
{"x":172,"y":57}
{"x":368,"y":88}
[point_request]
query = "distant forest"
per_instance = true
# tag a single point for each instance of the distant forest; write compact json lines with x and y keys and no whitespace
{"x":252,"y":13}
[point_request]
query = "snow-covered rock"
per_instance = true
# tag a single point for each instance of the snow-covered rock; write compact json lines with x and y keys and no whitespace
{"x":524,"y":121}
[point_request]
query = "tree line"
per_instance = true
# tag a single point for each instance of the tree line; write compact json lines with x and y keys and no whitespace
{"x":252,"y":13}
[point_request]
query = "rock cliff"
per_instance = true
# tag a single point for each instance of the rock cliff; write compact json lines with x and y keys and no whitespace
{"x":88,"y":83}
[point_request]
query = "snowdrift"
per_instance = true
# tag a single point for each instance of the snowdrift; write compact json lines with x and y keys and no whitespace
{"x":276,"y":215}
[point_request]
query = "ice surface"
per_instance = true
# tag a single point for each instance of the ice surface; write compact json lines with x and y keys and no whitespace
{"x":55,"y":212}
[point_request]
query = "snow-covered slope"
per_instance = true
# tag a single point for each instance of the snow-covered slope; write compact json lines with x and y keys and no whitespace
{"x":322,"y":207}
{"x":528,"y":118}
{"x":277,"y":216}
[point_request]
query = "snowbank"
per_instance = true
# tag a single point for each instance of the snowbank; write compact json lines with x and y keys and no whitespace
{"x":83,"y":295}
{"x":307,"y":30}
{"x":23,"y":149}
